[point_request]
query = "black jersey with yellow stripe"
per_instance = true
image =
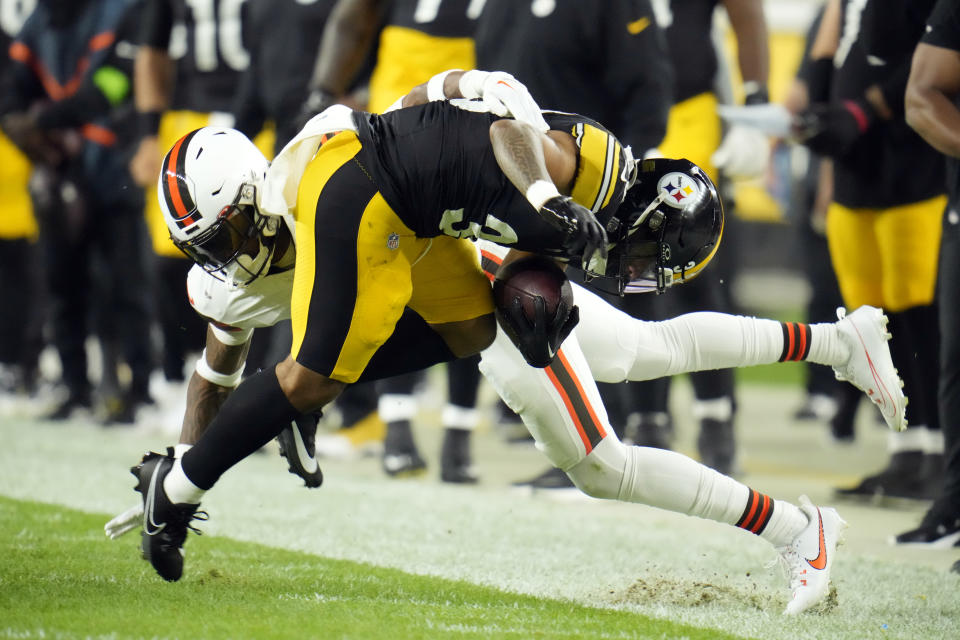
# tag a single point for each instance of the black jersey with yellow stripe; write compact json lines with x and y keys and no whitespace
{"x":434,"y":165}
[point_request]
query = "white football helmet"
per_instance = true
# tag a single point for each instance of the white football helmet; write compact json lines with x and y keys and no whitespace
{"x":208,"y":194}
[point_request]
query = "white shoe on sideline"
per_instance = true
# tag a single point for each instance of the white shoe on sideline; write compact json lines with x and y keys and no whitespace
{"x":870,"y":367}
{"x":809,"y":557}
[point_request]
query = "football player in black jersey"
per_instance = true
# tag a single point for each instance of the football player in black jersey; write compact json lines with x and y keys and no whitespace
{"x":665,"y":230}
{"x":931,"y":110}
{"x":383,"y":215}
{"x":884,"y":224}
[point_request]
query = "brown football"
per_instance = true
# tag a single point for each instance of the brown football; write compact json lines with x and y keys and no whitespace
{"x":528,"y":278}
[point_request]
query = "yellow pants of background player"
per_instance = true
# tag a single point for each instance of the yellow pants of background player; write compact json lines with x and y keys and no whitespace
{"x":16,"y":217}
{"x":358,"y":267}
{"x":693,"y":132}
{"x":886,"y":257}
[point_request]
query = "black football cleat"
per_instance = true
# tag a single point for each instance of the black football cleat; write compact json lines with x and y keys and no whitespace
{"x":165,"y":524}
{"x":298,"y":445}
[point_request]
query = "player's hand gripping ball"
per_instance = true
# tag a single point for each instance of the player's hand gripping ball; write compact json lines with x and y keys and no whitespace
{"x":534,"y":306}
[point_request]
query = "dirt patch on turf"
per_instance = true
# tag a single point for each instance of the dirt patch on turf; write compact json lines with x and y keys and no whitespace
{"x":696,"y":593}
{"x":719,"y":591}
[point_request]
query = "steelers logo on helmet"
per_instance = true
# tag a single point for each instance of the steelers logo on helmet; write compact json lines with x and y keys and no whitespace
{"x":665,"y":231}
{"x":679,"y":189}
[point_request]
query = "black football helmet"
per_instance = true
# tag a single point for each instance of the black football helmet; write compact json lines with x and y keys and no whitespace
{"x":665,"y":231}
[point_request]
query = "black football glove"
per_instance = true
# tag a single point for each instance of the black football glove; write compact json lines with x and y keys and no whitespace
{"x":586,"y":237}
{"x":539,"y":338}
{"x":831,"y":129}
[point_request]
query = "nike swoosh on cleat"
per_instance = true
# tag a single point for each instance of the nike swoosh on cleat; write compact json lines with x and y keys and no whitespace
{"x":820,"y":562}
{"x":308,"y":462}
{"x":148,"y":521}
{"x":887,"y":408}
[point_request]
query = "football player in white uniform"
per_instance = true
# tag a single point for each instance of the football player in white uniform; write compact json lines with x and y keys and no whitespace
{"x":560,"y":404}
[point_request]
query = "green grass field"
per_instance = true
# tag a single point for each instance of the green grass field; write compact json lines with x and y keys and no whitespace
{"x":63,"y":579}
{"x":366,"y":556}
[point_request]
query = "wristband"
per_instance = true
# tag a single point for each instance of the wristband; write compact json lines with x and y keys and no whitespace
{"x":539,"y":192}
{"x":435,"y":90}
{"x":471,"y":84}
{"x":205,"y":371}
{"x":148,"y":123}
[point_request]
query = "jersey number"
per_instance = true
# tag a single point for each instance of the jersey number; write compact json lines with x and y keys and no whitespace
{"x":427,"y":10}
{"x":217,"y":28}
{"x":493,"y":228}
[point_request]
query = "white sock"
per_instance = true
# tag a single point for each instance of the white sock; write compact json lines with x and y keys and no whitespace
{"x":826,"y":347}
{"x":181,"y":448}
{"x":394,"y":407}
{"x":457,"y":417}
{"x":178,"y":487}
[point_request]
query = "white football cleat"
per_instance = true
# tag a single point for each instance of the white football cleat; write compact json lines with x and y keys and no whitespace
{"x":809,"y":557}
{"x":870,"y":367}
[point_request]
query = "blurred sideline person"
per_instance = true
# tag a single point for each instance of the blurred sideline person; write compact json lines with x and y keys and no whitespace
{"x":827,"y":399}
{"x":186,"y":72}
{"x":607,"y":61}
{"x":694,"y":132}
{"x":411,"y":42}
{"x":884,"y":223}
{"x":579,"y":439}
{"x":21,"y":320}
{"x":931,"y":110}
{"x":68,"y":106}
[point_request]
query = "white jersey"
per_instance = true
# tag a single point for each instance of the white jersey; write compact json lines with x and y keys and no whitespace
{"x":262,"y":303}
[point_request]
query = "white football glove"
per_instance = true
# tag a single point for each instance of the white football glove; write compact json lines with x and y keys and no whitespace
{"x":125,"y":522}
{"x":503,"y":95}
{"x":744,"y":152}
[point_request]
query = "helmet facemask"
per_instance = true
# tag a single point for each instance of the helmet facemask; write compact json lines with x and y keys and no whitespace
{"x":239,"y":246}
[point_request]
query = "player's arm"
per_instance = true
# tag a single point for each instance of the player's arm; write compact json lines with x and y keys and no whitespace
{"x":930,"y":108}
{"x":153,"y":73}
{"x":216,"y":375}
{"x":348,"y":36}
{"x":542,"y":165}
{"x":753,"y":56}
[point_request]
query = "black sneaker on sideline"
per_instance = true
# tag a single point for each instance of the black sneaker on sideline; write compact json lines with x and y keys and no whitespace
{"x":939,"y":528}
{"x":456,"y":464}
{"x":297,"y":444}
{"x":552,"y":478}
{"x":904,"y":478}
{"x":717,"y":445}
{"x":403,"y":465}
{"x":165,"y":524}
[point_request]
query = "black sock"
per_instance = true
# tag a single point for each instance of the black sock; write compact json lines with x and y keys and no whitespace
{"x":463,"y":381}
{"x":252,"y":416}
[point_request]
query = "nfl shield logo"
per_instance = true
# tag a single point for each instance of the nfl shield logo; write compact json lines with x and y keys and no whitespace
{"x":393,"y":241}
